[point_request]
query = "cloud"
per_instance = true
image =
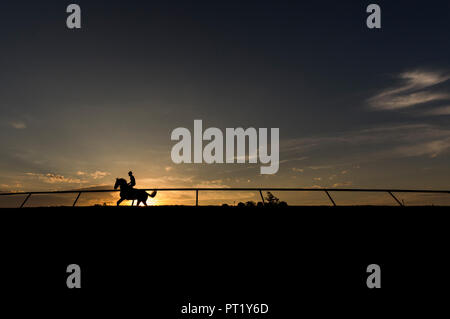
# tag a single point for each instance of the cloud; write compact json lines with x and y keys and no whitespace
{"x":342,"y":184}
{"x":95,"y":175}
{"x":444,"y":110}
{"x":54,"y":178}
{"x":412,"y":99}
{"x":18,"y":125}
{"x":320,"y":167}
{"x":99,"y":174}
{"x":293,"y":159}
{"x":218,"y":183}
{"x":370,"y":144}
{"x":431,"y":149}
{"x":415,"y":89}
{"x":166,"y":181}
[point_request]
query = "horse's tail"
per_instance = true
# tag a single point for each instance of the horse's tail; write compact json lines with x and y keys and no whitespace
{"x":153,"y":194}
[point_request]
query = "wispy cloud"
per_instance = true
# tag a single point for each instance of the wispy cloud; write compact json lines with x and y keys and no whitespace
{"x":444,"y":110}
{"x":320,"y":167}
{"x":19,"y":125}
{"x":348,"y":183}
{"x":416,"y":88}
{"x":99,"y":174}
{"x":94,"y":175}
{"x":387,"y":141}
{"x":431,"y":149}
{"x":218,"y":183}
{"x":52,"y":178}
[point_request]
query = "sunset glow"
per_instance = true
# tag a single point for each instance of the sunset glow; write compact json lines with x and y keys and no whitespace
{"x":84,"y":107}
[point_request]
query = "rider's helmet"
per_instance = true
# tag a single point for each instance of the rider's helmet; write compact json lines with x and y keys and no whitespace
{"x":130,"y":173}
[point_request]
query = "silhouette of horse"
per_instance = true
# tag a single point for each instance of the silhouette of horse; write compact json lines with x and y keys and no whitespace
{"x":129,"y":193}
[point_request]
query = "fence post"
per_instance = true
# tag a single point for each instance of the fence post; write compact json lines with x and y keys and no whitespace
{"x":334,"y":204}
{"x":262,"y":197}
{"x":76,"y":200}
{"x":390,"y":193}
{"x":196,"y":197}
{"x":28,"y":196}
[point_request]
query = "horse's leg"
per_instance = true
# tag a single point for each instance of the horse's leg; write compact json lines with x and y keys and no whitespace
{"x":119,"y":201}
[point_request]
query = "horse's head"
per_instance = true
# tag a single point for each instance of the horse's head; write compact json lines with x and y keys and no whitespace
{"x":119,"y":182}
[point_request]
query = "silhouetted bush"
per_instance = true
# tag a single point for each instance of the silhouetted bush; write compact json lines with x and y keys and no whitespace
{"x":282,"y":204}
{"x":250,"y":203}
{"x":271,"y":201}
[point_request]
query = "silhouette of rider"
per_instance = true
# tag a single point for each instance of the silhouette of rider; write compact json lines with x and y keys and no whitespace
{"x":132,"y":182}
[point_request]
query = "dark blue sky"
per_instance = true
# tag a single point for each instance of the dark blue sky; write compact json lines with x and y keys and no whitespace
{"x":370,"y":103}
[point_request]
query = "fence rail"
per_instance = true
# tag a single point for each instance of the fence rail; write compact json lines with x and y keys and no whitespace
{"x":327,"y":191}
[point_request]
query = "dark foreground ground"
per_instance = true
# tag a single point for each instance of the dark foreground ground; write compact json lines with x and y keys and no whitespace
{"x":301,"y":261}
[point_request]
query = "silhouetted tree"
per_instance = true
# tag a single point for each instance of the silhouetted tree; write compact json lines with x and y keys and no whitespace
{"x":273,"y":201}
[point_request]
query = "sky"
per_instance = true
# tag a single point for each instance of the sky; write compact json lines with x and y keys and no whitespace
{"x":356,"y":107}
